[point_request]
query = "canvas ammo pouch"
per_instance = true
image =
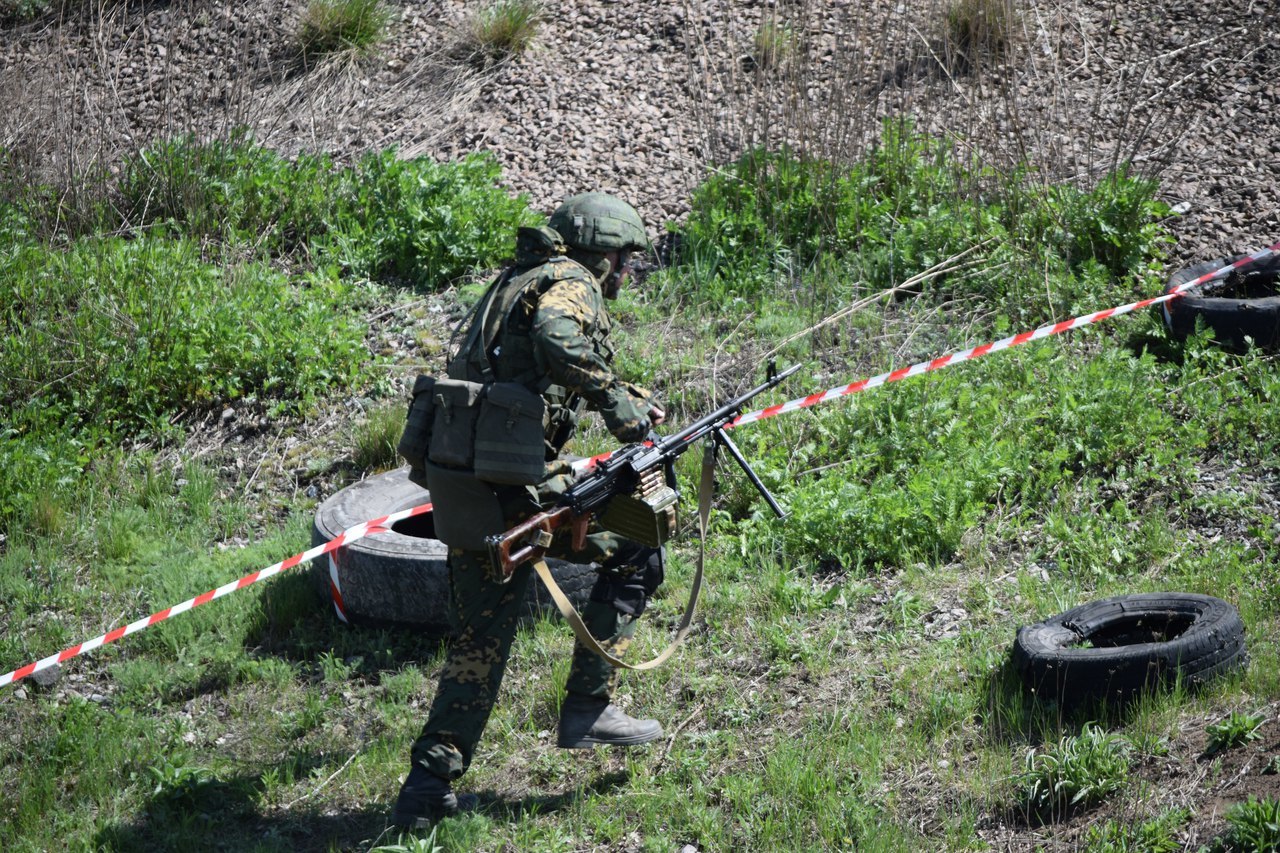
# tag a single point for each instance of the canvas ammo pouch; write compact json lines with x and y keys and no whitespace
{"x":510,"y":432}
{"x":416,"y":437}
{"x":453,"y":424}
{"x":465,"y":510}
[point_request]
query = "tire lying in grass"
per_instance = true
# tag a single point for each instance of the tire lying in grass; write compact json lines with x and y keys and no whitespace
{"x":1244,"y":304}
{"x":1118,"y":647}
{"x":399,"y":578}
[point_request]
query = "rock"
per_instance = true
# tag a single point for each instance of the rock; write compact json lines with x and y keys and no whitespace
{"x":48,"y":677}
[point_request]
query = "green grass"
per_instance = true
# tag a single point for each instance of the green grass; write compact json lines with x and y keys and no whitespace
{"x":847,"y":686}
{"x":375,"y":438}
{"x":499,"y":30}
{"x":342,"y":26}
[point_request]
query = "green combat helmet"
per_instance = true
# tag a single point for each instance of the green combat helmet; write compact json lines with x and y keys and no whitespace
{"x":598,"y":222}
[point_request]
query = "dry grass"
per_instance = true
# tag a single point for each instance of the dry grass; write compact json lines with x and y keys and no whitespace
{"x":75,"y":98}
{"x":979,"y":31}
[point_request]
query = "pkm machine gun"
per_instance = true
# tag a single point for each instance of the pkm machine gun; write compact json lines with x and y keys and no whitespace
{"x":632,"y":492}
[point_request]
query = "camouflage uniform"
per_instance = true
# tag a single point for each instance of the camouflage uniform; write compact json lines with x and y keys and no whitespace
{"x":550,"y":331}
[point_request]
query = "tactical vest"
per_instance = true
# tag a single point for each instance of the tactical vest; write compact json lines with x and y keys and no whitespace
{"x":497,"y":418}
{"x":499,"y":345}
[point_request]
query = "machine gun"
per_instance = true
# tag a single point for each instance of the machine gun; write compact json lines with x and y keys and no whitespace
{"x":633,"y":491}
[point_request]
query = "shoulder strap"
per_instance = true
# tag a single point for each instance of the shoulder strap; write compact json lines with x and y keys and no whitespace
{"x":580,"y":630}
{"x":475,"y":346}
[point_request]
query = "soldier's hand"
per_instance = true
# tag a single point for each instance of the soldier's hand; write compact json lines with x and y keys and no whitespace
{"x":656,"y":415}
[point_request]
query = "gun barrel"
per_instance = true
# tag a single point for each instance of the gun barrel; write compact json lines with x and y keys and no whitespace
{"x":724,"y":413}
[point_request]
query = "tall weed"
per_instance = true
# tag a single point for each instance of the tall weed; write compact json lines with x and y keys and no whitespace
{"x":760,"y":224}
{"x":229,"y":189}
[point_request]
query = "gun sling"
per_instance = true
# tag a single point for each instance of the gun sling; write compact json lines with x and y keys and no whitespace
{"x":706,"y":487}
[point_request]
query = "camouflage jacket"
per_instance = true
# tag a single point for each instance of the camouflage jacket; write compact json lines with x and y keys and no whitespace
{"x":548,"y":329}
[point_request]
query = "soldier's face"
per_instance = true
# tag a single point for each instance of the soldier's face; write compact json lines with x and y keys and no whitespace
{"x":619,"y":269}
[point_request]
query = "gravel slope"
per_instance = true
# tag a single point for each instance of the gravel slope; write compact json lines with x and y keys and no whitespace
{"x":642,"y":97}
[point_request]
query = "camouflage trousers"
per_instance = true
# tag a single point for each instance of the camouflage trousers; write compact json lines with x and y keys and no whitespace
{"x":487,"y":614}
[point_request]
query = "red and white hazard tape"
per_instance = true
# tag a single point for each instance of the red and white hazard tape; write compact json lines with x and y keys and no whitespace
{"x":383,"y":524}
{"x":979,"y":351}
{"x":366,"y":528}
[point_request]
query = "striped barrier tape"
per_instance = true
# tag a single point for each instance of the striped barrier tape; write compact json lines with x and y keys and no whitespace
{"x":1045,"y":331}
{"x":383,"y":524}
{"x":359,"y":531}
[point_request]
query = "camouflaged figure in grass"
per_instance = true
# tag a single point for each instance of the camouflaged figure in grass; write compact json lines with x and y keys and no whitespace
{"x":543,"y":324}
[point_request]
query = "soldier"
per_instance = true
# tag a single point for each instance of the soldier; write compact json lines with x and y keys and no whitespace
{"x":543,"y":325}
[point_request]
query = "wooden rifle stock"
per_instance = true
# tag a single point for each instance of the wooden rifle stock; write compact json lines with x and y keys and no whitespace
{"x":531,"y":538}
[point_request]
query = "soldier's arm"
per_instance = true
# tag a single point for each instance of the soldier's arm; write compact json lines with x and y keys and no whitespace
{"x":565,"y":311}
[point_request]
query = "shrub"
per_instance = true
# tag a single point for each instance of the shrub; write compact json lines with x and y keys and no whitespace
{"x":1079,"y":771}
{"x":1116,"y":224}
{"x":342,"y":26}
{"x":233,"y":190}
{"x":423,"y":223}
{"x":501,"y":30}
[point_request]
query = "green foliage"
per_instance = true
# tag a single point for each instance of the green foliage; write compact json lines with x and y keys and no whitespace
{"x":423,"y":223}
{"x":1158,"y":835}
{"x":1255,"y":826}
{"x":501,"y":29}
{"x":781,"y":225}
{"x":114,"y":337}
{"x":232,"y":190}
{"x":415,"y":221}
{"x":341,"y":26}
{"x":173,"y":304}
{"x":915,"y":465}
{"x":412,"y":845}
{"x":1236,"y":729}
{"x":19,"y":11}
{"x":1116,"y":224}
{"x":1080,"y":770}
{"x":122,"y":333}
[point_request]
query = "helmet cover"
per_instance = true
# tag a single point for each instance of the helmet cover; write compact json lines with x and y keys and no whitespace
{"x":599,"y":222}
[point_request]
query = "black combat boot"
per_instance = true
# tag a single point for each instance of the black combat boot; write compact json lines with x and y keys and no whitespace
{"x":586,"y":722}
{"x":425,"y":799}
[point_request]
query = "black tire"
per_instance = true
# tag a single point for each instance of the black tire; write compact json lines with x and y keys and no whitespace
{"x":1244,"y":304}
{"x":1118,"y":647}
{"x":399,"y":578}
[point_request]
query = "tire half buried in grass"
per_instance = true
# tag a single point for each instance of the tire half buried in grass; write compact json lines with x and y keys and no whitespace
{"x":399,"y":578}
{"x":1118,"y":647}
{"x":1244,"y":304}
